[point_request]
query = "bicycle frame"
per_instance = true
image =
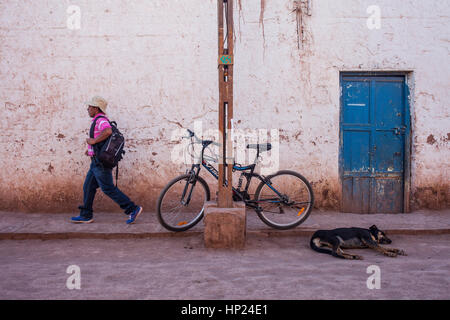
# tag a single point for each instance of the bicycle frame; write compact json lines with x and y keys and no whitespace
{"x":195,"y":171}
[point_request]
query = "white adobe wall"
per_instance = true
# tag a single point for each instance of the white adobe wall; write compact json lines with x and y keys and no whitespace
{"x":156,"y":62}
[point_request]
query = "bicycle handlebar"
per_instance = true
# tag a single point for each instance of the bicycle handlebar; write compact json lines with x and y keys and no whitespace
{"x":198,"y":140}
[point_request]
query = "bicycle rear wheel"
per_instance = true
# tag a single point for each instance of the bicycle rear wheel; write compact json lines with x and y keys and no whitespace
{"x":177,"y":213}
{"x":291,"y":208}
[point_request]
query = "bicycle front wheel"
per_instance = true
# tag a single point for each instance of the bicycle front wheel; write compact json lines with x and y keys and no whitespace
{"x":286,"y":202}
{"x":181,"y":204}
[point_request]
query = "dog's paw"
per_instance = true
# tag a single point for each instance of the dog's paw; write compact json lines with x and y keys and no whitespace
{"x":401,"y":253}
{"x":391,"y":254}
{"x":356,"y":257}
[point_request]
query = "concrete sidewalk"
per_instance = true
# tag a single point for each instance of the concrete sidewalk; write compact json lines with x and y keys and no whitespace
{"x":46,"y":226}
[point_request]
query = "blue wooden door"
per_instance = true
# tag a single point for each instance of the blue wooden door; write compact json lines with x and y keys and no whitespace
{"x":372,"y":138}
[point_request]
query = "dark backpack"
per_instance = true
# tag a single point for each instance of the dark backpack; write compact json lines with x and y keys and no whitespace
{"x":110,"y":151}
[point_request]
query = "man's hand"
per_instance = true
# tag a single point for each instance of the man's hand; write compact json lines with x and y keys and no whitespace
{"x":87,"y":152}
{"x":103,"y":136}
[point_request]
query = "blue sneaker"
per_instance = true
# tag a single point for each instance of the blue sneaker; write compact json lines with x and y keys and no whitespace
{"x":133,"y":216}
{"x":81,"y":219}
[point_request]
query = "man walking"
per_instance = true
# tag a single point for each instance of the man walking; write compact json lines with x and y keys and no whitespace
{"x":98,"y":175}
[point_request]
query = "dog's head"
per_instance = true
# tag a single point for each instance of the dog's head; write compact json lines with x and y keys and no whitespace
{"x":379,"y":236}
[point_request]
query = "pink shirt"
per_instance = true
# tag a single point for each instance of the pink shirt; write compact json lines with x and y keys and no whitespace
{"x":101,"y":125}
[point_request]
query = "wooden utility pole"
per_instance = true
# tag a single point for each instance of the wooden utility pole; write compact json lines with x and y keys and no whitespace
{"x":226,"y":60}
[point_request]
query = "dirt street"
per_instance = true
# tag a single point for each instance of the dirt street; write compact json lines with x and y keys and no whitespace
{"x":182,"y":268}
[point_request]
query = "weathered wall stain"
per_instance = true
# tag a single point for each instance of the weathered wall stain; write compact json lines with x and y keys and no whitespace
{"x":239,"y":5}
{"x":300,"y":7}
{"x":433,"y":197}
{"x":326,"y":194}
{"x":261,"y":19}
{"x":431,"y":140}
{"x":50,"y":168}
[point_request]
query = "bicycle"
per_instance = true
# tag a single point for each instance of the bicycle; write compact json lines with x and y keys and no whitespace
{"x":282,"y":200}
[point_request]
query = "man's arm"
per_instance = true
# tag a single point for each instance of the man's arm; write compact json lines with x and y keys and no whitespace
{"x":103,"y":136}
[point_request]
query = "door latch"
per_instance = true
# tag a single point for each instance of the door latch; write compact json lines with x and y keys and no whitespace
{"x":399,"y":130}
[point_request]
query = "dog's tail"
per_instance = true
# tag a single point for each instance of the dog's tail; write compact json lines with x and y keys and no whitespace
{"x":315,"y":239}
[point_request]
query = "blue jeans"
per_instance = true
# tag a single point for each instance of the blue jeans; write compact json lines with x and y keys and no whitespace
{"x":98,"y":176}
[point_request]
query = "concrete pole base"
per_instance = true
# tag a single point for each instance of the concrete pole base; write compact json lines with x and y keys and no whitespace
{"x":225,"y":227}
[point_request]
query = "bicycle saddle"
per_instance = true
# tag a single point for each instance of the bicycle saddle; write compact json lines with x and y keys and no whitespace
{"x":206,"y":143}
{"x":260,"y":146}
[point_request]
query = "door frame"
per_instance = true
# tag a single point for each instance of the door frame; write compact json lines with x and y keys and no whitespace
{"x":408,"y":76}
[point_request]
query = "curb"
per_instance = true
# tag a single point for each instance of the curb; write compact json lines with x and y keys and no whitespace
{"x":91,"y":235}
{"x":414,"y":232}
{"x":149,"y":235}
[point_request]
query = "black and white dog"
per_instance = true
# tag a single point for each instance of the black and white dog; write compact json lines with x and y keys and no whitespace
{"x":333,"y":241}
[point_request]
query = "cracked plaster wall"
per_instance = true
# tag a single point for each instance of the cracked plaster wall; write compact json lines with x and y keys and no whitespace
{"x":156,"y":63}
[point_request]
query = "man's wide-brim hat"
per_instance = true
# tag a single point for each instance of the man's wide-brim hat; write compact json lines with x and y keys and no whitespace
{"x":98,"y":102}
